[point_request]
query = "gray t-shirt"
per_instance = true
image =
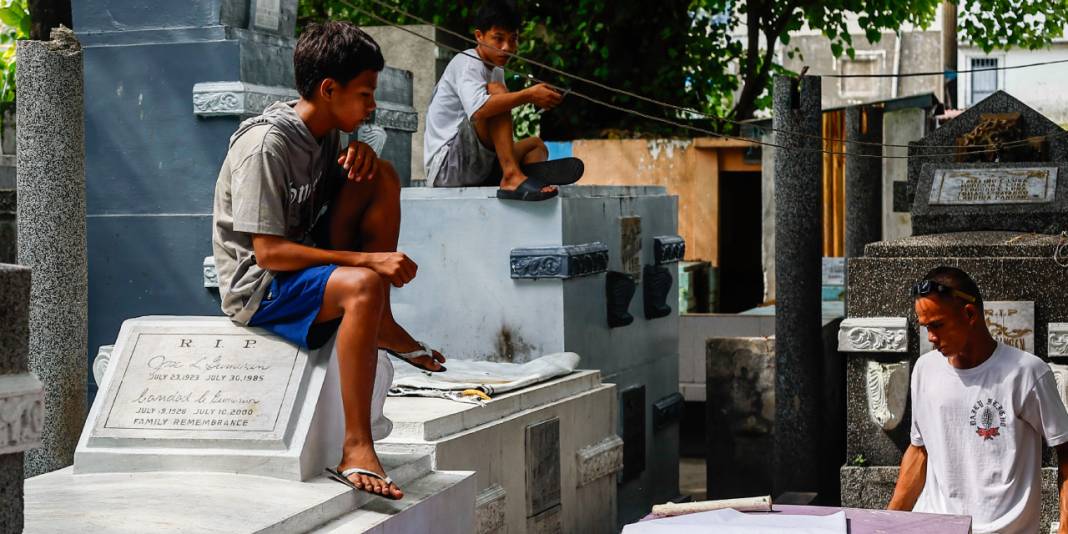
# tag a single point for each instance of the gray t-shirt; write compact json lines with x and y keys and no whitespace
{"x":276,"y":180}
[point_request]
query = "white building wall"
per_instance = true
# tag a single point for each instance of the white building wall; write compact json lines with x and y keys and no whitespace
{"x":1043,"y":88}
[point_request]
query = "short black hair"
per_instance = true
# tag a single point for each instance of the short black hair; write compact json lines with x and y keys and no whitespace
{"x":333,"y":49}
{"x":956,"y":278}
{"x":500,"y":13}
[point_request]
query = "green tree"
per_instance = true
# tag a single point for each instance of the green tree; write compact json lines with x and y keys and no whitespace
{"x":712,"y":56}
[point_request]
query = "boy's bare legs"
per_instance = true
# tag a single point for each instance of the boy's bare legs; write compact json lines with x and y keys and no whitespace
{"x":496,"y":133}
{"x":367,"y":218}
{"x":354,"y":294}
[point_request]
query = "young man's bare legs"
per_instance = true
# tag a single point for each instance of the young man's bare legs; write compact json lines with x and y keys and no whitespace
{"x":366,"y":217}
{"x":496,"y":133}
{"x":354,"y":294}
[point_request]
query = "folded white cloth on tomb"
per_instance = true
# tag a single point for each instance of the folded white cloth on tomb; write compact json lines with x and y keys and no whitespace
{"x":730,"y":521}
{"x":488,"y":377}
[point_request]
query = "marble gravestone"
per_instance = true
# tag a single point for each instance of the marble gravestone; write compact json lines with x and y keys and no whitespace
{"x":201,"y":394}
{"x":995,"y":213}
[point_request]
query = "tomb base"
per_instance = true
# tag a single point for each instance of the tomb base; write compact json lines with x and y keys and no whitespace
{"x":545,"y":456}
{"x":63,"y":502}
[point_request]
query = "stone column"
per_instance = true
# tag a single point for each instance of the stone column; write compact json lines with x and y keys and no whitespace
{"x":51,"y":236}
{"x":21,"y":409}
{"x":798,"y":251}
{"x":863,"y":179}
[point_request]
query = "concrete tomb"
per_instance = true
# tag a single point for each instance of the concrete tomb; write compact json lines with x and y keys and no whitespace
{"x":996,"y":220}
{"x":545,"y":456}
{"x":510,"y":281}
{"x":195,"y":414}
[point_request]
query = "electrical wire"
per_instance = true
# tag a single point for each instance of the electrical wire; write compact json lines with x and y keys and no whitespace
{"x":661,"y":119}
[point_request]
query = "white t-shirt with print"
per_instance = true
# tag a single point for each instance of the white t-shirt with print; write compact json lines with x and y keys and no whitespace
{"x":460,"y":92}
{"x":983,"y":429}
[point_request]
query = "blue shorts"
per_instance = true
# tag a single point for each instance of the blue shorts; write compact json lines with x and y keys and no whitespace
{"x":291,"y":305}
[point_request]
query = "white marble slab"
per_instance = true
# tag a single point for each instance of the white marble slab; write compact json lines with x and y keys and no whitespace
{"x":62,"y":502}
{"x":202,"y":394}
{"x":873,"y":334}
{"x":994,"y":186}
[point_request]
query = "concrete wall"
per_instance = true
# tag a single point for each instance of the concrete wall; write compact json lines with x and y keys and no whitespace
{"x":1042,"y":88}
{"x":919,"y":51}
{"x":687,"y":168}
{"x":900,"y":127}
{"x":405,"y":51}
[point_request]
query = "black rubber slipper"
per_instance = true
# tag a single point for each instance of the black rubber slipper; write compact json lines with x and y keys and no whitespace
{"x":528,"y":191}
{"x":563,"y":171}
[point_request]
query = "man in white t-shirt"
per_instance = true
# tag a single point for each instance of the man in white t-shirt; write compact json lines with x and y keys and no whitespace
{"x":980,"y":412}
{"x":469,"y":121}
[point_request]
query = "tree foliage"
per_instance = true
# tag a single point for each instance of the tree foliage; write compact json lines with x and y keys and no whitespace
{"x":708,"y":55}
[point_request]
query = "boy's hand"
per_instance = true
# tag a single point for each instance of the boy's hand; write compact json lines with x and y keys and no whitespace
{"x":360,"y":160}
{"x":544,"y":96}
{"x":396,"y":267}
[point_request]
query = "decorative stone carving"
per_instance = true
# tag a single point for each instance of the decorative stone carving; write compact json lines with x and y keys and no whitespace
{"x":873,"y":334}
{"x":668,"y":249}
{"x":1058,"y":339}
{"x":393,"y":116}
{"x":216,"y":99}
{"x":21,"y":412}
{"x":568,"y":261}
{"x":888,"y":391}
{"x":211,"y":276}
{"x":100,"y":363}
{"x":1060,"y":375}
{"x":490,"y":510}
{"x":599,"y":460}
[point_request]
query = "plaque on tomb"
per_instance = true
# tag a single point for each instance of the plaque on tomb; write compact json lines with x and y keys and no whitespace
{"x":176,"y":391}
{"x":1022,"y":185}
{"x":833,"y":271}
{"x":1010,"y":322}
{"x":543,"y":466}
{"x":268,"y":15}
{"x":630,"y":239}
{"x":212,"y":384}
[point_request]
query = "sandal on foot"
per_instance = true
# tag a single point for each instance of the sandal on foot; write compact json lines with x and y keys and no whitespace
{"x":343,"y":477}
{"x":563,"y":171}
{"x":530,"y":191}
{"x":410,"y":356}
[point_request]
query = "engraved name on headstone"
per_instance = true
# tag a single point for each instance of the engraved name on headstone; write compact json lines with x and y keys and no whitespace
{"x":207,"y":385}
{"x":268,"y":14}
{"x":994,"y":186}
{"x":1010,"y":322}
{"x":833,"y":271}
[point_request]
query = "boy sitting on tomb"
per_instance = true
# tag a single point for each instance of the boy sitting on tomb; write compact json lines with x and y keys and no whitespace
{"x":305,"y":240}
{"x":468,"y":140}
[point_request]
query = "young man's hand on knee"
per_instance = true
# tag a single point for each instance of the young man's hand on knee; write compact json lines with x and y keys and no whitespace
{"x":360,"y":160}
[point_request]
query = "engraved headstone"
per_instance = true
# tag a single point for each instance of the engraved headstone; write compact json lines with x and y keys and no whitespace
{"x":994,"y":186}
{"x":1002,"y":177}
{"x":202,"y":394}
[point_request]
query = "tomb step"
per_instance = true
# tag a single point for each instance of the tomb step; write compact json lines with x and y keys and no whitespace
{"x":429,"y":419}
{"x":442,"y":501}
{"x":62,"y":502}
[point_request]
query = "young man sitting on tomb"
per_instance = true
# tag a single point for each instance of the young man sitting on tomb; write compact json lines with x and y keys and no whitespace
{"x":980,"y":412}
{"x":468,"y":140}
{"x":305,"y":240}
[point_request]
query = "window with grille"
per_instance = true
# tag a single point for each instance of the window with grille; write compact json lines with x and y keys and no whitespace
{"x":986,"y":82}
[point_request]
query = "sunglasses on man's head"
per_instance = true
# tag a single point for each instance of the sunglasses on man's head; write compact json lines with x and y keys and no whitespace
{"x":927,"y":287}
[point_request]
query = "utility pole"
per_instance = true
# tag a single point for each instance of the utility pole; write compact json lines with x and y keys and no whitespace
{"x":949,"y":53}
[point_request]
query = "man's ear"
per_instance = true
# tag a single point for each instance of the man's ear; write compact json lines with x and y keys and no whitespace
{"x":479,"y":35}
{"x":971,"y":312}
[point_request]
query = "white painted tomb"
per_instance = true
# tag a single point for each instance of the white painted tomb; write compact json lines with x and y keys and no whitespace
{"x":204,"y":426}
{"x":545,"y":456}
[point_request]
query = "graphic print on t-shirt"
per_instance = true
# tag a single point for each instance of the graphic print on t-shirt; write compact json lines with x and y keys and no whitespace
{"x":987,"y":418}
